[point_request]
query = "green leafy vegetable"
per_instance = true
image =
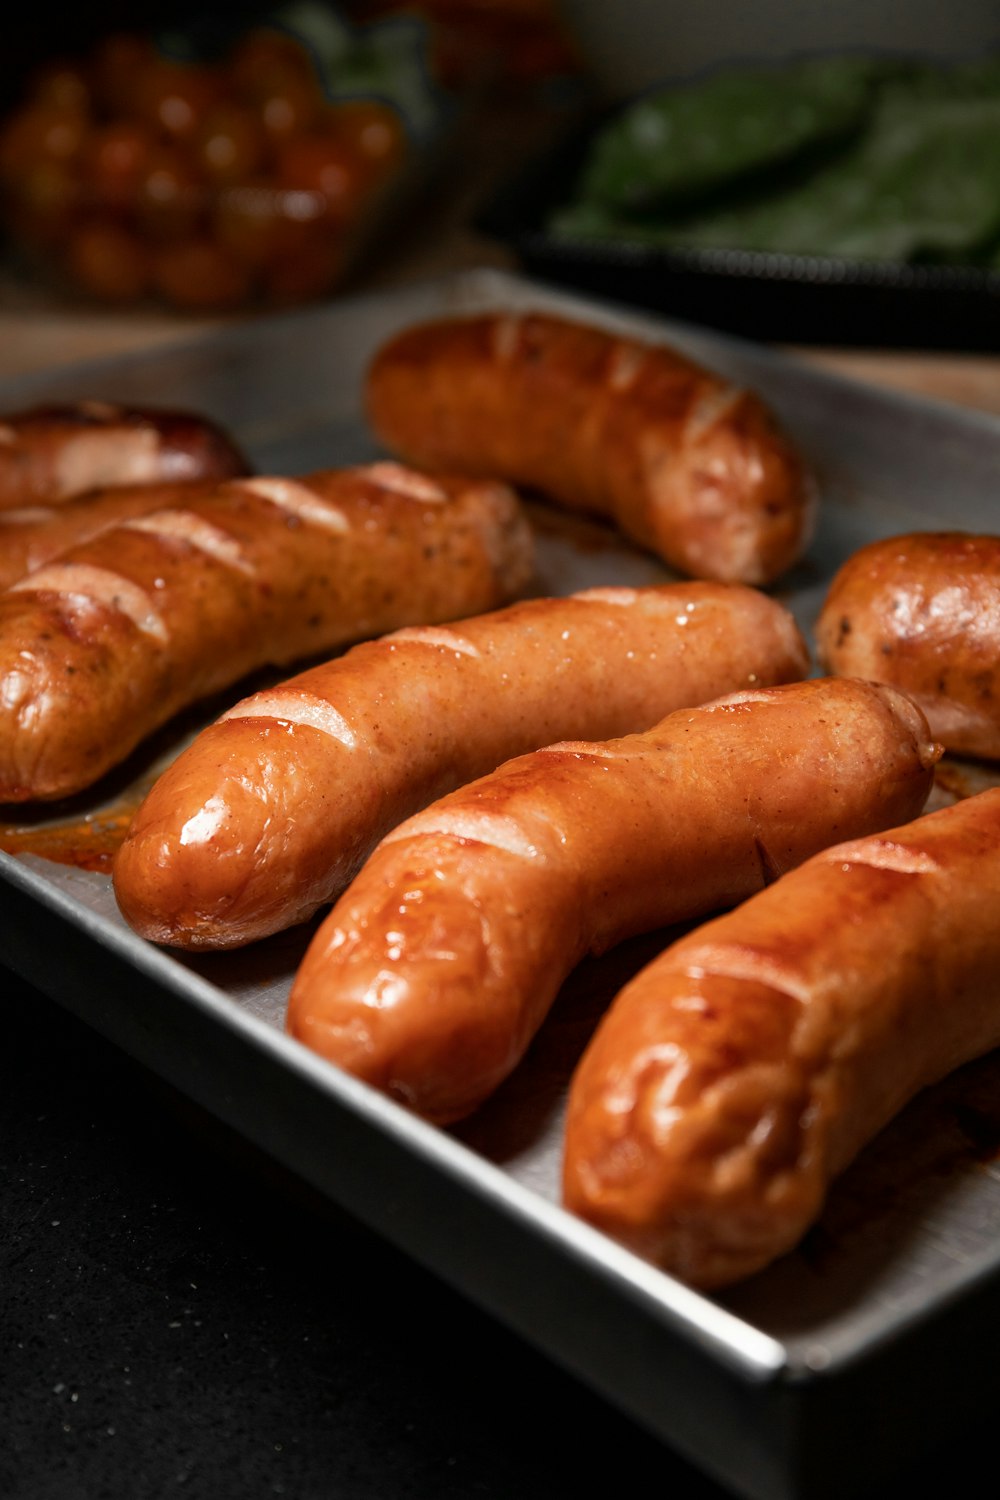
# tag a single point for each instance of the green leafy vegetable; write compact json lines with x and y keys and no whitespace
{"x":386,"y":60}
{"x":925,"y":182}
{"x":689,"y":140}
{"x":918,"y":180}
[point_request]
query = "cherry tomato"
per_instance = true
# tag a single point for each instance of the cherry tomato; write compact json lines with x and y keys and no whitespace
{"x":321,"y":163}
{"x":108,"y":261}
{"x":40,"y":133}
{"x":265,"y":56}
{"x":375,"y":131}
{"x":41,"y":206}
{"x":171,"y":198}
{"x":258,"y":222}
{"x":115,"y":157}
{"x":200,"y":276}
{"x":62,"y":85}
{"x":117,"y":69}
{"x":275,"y":77}
{"x":230,"y":144}
{"x":175,"y":98}
{"x":206,"y":185}
{"x":309,"y":272}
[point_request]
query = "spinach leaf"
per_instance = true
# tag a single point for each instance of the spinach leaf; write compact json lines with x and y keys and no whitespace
{"x":688,"y":140}
{"x":924,"y":182}
{"x":919,"y":179}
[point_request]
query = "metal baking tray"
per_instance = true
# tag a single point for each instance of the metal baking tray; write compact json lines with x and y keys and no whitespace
{"x":870,"y":1344}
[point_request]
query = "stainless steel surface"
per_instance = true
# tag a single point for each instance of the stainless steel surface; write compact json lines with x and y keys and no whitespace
{"x":906,"y":1256}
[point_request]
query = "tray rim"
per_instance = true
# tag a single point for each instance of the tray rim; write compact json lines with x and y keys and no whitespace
{"x":481,"y":282}
{"x":749,"y":1352}
{"x":765,"y":1366}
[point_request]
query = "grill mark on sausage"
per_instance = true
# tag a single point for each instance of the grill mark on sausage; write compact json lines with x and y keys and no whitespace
{"x":738,"y":700}
{"x":491,"y":829}
{"x":592,"y":750}
{"x":98,"y":411}
{"x":294,"y":708}
{"x":608,"y":594}
{"x":708,"y":409}
{"x":883,"y":854}
{"x":403,"y":481}
{"x":626,"y":361}
{"x":506,"y":337}
{"x":744,"y":965}
{"x":430,"y":635}
{"x":85,"y":584}
{"x":93,"y":459}
{"x":185,"y":526}
{"x":28,"y":515}
{"x":296,"y":499}
{"x":651,"y":602}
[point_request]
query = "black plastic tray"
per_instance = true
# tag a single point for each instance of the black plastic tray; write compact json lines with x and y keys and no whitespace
{"x":785,"y":298}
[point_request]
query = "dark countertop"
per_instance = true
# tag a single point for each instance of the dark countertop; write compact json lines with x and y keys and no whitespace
{"x":181,"y":1317}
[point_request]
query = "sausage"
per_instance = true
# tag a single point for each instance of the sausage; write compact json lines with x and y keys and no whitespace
{"x":922,"y":611}
{"x":36,"y":534}
{"x":438,"y":964}
{"x":271,"y":810}
{"x":687,"y":465}
{"x":102,"y":646}
{"x":744,"y":1068}
{"x":50,"y":454}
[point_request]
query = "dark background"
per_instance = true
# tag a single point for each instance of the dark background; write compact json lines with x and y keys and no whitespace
{"x":181,"y":1318}
{"x":65,"y":30}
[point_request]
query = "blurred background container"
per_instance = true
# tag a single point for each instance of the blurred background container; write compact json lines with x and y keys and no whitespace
{"x":243,"y":156}
{"x":631,"y":46}
{"x":802,"y":173}
{"x":194,"y":185}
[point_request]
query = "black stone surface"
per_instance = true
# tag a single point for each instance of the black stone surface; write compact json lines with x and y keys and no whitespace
{"x":181,"y":1318}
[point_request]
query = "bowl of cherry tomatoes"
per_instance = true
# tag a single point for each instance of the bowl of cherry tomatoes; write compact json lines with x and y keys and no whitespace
{"x":138,"y":175}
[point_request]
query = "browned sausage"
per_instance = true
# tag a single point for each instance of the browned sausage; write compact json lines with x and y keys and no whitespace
{"x":271,"y":811}
{"x":923,"y":612}
{"x":745,"y":1067}
{"x":685,"y":464}
{"x":35,"y":535}
{"x":438,"y":964}
{"x":51,"y":454}
{"x":102,"y":646}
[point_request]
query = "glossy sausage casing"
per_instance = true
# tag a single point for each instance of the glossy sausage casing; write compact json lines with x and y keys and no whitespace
{"x":922,"y":612}
{"x":438,"y":964}
{"x":35,"y":535}
{"x":100,"y":647}
{"x":50,"y":454}
{"x":738,"y":1073}
{"x":685,"y":464}
{"x":270,"y":811}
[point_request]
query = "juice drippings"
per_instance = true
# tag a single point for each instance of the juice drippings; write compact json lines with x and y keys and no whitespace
{"x":89,"y":843}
